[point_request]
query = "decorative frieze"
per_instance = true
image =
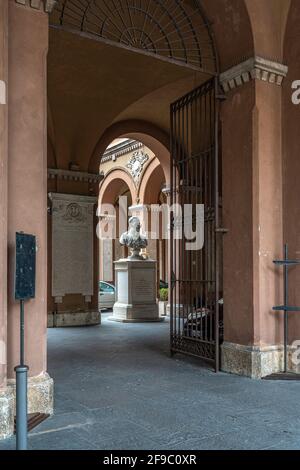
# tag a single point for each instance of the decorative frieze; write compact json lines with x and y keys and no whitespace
{"x":46,"y":5}
{"x":117,"y":151}
{"x":70,"y":175}
{"x":255,"y":68}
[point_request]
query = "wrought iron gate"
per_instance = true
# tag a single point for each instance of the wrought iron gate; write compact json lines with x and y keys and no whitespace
{"x":195,"y":292}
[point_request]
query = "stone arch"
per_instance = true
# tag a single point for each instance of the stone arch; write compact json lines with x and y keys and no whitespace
{"x":232,"y":30}
{"x":114,"y":181}
{"x":151,"y":184}
{"x":149,"y":134}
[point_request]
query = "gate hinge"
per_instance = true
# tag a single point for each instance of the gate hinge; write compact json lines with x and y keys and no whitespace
{"x":221,"y":97}
{"x":222,"y":230}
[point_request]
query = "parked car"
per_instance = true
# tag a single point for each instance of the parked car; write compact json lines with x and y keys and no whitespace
{"x":163,"y":284}
{"x":107,"y":295}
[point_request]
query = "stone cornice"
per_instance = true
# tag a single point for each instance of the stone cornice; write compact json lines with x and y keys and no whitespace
{"x":255,"y":68}
{"x":72,"y":198}
{"x":121,"y":149}
{"x":74,"y":176}
{"x":44,"y":5}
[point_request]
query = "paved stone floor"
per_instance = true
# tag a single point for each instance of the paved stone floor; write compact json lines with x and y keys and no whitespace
{"x":117,"y":388}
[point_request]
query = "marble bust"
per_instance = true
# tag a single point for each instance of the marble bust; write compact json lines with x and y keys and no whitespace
{"x":134,"y":239}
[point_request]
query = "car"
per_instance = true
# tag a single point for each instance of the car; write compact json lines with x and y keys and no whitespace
{"x":107,"y":295}
{"x":163,"y":284}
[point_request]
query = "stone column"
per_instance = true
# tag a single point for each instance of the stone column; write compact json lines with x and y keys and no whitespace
{"x":27,"y":186}
{"x":252,"y":209}
{"x":6,"y":396}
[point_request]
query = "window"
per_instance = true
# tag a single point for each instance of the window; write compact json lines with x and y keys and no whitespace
{"x":106,"y":288}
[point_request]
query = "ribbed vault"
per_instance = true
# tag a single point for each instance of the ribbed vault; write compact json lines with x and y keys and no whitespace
{"x":175,"y":30}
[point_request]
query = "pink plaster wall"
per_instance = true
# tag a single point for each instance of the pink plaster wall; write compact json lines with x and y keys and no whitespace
{"x":27,"y":209}
{"x":3,"y":190}
{"x":291,"y":160}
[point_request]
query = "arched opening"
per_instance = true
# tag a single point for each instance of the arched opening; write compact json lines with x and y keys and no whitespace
{"x":135,"y":91}
{"x":129,"y":166}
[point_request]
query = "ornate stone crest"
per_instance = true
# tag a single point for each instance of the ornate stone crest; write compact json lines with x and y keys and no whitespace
{"x":136,"y":164}
{"x":74,"y":213}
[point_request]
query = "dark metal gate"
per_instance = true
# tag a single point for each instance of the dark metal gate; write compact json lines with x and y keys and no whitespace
{"x":195,"y":291}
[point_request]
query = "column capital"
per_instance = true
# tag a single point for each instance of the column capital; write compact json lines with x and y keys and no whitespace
{"x":43,"y":5}
{"x":255,"y":68}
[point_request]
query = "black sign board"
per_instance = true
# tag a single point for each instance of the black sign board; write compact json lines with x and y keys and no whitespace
{"x":25,"y":266}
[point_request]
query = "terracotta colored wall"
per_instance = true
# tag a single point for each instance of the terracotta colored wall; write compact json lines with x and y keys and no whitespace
{"x":232,"y":30}
{"x":3,"y":189}
{"x":267,"y":212}
{"x":252,"y":210}
{"x":237,"y":214}
{"x":28,"y":42}
{"x":291,"y":154}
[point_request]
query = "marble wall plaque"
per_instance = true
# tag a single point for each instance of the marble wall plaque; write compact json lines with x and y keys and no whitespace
{"x":144,"y":285}
{"x":122,"y":283}
{"x":107,"y":260}
{"x":72,"y":244}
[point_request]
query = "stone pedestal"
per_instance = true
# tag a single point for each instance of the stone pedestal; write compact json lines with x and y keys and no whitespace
{"x":136,"y":291}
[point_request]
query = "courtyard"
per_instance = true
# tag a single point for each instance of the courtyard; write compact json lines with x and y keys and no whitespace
{"x":116,"y":387}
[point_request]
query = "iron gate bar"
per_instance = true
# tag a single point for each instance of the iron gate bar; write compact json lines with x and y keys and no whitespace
{"x":195,"y":289}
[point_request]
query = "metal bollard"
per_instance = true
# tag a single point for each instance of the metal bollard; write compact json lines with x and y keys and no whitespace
{"x":21,"y":406}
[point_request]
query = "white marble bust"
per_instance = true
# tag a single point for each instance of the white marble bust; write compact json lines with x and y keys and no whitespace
{"x":134,"y":239}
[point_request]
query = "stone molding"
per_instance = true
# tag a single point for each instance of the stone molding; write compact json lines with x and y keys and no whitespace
{"x":255,"y":68}
{"x":40,"y":393}
{"x":44,"y":5}
{"x":72,"y":198}
{"x":254,"y":361}
{"x":119,"y":150}
{"x":6,"y":412}
{"x":70,"y":175}
{"x":70,"y":318}
{"x":40,"y":400}
{"x":138,"y":208}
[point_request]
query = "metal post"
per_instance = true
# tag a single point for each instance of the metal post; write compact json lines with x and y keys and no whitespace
{"x":22,"y":331}
{"x":21,"y":390}
{"x":286,"y":299}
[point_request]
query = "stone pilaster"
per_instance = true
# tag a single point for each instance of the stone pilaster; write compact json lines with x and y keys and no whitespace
{"x":252,"y":169}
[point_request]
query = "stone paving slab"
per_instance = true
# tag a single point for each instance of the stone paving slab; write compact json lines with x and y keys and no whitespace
{"x":116,"y":387}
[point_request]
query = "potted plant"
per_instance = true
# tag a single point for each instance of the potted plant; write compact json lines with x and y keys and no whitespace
{"x":163,"y":301}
